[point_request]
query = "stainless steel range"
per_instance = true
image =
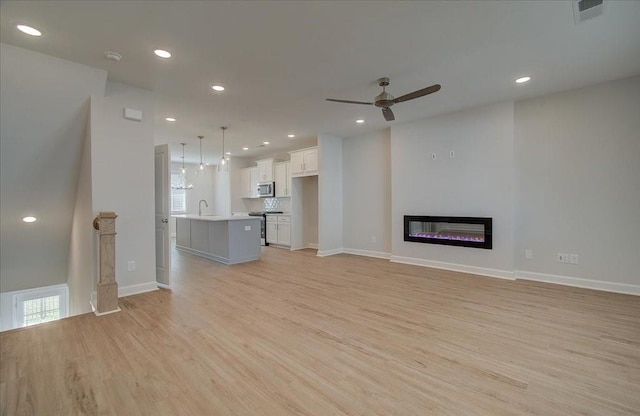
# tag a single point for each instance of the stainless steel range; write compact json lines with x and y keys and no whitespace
{"x":263,"y":224}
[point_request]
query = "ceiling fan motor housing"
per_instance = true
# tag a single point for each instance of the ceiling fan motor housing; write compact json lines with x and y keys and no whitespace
{"x":384,"y":99}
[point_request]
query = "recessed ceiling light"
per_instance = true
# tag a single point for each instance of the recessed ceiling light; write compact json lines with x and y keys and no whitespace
{"x":217,"y":88}
{"x":29,"y":219}
{"x":291,"y":136}
{"x":360,"y":121}
{"x":31,"y":31}
{"x":245,"y":148}
{"x":522,"y":80}
{"x":207,"y":163}
{"x":227,"y":153}
{"x":170,"y":119}
{"x":162,"y":53}
{"x":266,"y":142}
{"x":113,"y":56}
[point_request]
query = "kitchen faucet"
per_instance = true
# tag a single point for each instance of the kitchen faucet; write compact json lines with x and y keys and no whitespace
{"x":200,"y":206}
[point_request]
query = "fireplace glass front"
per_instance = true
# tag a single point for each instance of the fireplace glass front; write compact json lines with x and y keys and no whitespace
{"x":454,"y":231}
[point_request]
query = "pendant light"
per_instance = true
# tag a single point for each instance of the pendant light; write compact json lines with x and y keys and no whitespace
{"x":182,"y":178}
{"x":201,"y":164}
{"x":183,"y":170}
{"x":224,"y":163}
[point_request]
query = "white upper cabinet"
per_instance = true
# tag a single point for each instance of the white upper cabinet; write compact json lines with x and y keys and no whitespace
{"x":282,"y":176}
{"x":249,"y":182}
{"x":245,"y":183}
{"x":253,"y":182}
{"x":304,"y":162}
{"x":265,"y":170}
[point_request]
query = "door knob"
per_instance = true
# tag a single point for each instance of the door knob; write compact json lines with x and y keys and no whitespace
{"x":165,"y":221}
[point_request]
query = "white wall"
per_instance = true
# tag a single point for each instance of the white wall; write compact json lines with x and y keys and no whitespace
{"x":82,"y":275}
{"x":123,"y":179}
{"x":221,"y":193}
{"x":366,"y":169}
{"x":44,"y":108}
{"x":330,"y":204}
{"x":578,"y":173}
{"x":477,"y":182}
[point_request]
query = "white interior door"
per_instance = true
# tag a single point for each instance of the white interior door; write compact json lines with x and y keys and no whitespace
{"x":162,"y":202}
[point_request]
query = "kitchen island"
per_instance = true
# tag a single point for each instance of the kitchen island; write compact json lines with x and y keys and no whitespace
{"x":228,"y":240}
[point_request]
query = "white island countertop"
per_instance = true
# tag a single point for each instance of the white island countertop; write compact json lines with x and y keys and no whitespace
{"x":210,"y":217}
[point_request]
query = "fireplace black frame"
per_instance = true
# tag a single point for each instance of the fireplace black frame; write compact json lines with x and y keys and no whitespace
{"x":488,"y":231}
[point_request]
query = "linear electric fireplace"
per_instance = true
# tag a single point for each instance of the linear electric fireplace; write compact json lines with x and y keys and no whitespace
{"x":452,"y":231}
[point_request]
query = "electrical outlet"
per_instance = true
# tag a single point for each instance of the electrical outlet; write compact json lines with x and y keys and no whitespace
{"x":247,"y":228}
{"x":573,"y":258}
{"x":528,"y":254}
{"x":563,"y":258}
{"x":131,"y":266}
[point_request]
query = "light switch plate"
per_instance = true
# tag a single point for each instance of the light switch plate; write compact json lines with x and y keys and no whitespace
{"x":247,"y":228}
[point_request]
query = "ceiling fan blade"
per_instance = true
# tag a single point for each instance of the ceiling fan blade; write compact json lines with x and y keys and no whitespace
{"x":348,"y":102}
{"x":388,"y":114}
{"x":419,"y":93}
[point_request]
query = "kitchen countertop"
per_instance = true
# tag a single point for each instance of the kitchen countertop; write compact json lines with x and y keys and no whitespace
{"x":210,"y":217}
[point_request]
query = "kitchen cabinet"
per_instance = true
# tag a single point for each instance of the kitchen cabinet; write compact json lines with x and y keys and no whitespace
{"x":265,"y":170}
{"x":279,"y":230}
{"x":282,"y":176}
{"x":249,"y":182}
{"x":253,"y":182}
{"x":245,"y":183}
{"x":183,"y":232}
{"x":228,"y":240}
{"x":304,"y":162}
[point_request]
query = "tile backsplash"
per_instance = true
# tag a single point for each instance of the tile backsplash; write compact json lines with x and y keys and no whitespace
{"x":277,"y":204}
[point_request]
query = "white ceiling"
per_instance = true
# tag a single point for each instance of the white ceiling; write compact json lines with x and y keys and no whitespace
{"x":280,"y":60}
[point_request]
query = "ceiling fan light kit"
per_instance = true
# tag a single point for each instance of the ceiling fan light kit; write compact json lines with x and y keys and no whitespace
{"x":384,"y":100}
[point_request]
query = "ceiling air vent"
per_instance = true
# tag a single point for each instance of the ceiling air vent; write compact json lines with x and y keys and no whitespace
{"x":587,"y":9}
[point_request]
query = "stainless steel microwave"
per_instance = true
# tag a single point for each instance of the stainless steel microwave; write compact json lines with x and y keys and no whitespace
{"x":266,"y":189}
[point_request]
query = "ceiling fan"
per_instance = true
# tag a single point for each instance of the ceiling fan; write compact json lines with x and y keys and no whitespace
{"x":386,"y":100}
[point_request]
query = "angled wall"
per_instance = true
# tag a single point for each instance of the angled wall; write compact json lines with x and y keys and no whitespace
{"x":44,"y":108}
{"x":83,"y":245}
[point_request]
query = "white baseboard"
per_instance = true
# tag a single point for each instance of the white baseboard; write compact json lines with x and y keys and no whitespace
{"x":135,"y":289}
{"x":325,"y":253}
{"x":502,"y":274}
{"x":579,"y":282}
{"x":163,"y":286}
{"x":368,"y":253}
{"x":308,"y":246}
{"x":95,"y":310}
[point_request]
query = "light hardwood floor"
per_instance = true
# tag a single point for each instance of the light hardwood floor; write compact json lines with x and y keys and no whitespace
{"x":294,"y":334}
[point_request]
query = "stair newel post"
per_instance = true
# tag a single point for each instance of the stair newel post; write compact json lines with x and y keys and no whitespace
{"x":107,"y":290}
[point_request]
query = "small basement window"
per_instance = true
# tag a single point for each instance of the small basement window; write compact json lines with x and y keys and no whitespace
{"x":40,"y":305}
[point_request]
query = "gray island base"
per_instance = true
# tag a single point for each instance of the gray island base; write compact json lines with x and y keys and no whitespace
{"x":228,"y":240}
